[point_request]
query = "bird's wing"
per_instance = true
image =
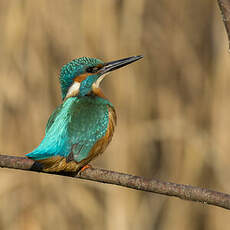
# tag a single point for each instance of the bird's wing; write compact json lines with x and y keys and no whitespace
{"x":55,"y":138}
{"x":89,"y":123}
{"x":73,"y":128}
{"x":52,"y":117}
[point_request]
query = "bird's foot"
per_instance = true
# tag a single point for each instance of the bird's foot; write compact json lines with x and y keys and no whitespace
{"x":85,"y":167}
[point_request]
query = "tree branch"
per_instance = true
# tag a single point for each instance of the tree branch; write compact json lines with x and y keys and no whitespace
{"x":185,"y":192}
{"x":225,"y":12}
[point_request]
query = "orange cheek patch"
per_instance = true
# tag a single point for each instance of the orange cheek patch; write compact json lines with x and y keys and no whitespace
{"x":81,"y":78}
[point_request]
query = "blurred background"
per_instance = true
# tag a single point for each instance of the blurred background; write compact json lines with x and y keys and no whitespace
{"x":173,"y":110}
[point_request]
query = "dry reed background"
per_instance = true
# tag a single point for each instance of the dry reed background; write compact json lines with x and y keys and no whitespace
{"x":173,"y":110}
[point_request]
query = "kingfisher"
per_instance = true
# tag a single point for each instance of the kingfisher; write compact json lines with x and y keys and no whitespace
{"x":83,"y":125}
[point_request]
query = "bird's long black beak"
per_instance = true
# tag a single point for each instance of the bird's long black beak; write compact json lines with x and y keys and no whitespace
{"x":113,"y":65}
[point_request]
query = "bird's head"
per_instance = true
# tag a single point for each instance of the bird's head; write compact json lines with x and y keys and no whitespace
{"x":80,"y":76}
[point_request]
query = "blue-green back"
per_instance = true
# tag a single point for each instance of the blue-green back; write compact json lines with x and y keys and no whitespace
{"x":76,"y":125}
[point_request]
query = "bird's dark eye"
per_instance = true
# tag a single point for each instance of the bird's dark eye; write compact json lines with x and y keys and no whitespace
{"x":92,"y":69}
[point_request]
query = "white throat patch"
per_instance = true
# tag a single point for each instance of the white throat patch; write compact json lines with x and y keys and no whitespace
{"x":98,"y":81}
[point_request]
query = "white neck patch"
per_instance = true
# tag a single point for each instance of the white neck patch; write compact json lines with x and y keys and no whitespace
{"x":73,"y":89}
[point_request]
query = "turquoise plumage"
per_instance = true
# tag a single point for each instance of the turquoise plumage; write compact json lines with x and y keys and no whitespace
{"x":79,"y":123}
{"x":82,"y":126}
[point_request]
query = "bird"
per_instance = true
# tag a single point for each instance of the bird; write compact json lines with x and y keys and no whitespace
{"x":82,"y":126}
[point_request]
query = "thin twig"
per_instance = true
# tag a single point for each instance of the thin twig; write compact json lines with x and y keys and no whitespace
{"x":185,"y":192}
{"x":225,"y":12}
